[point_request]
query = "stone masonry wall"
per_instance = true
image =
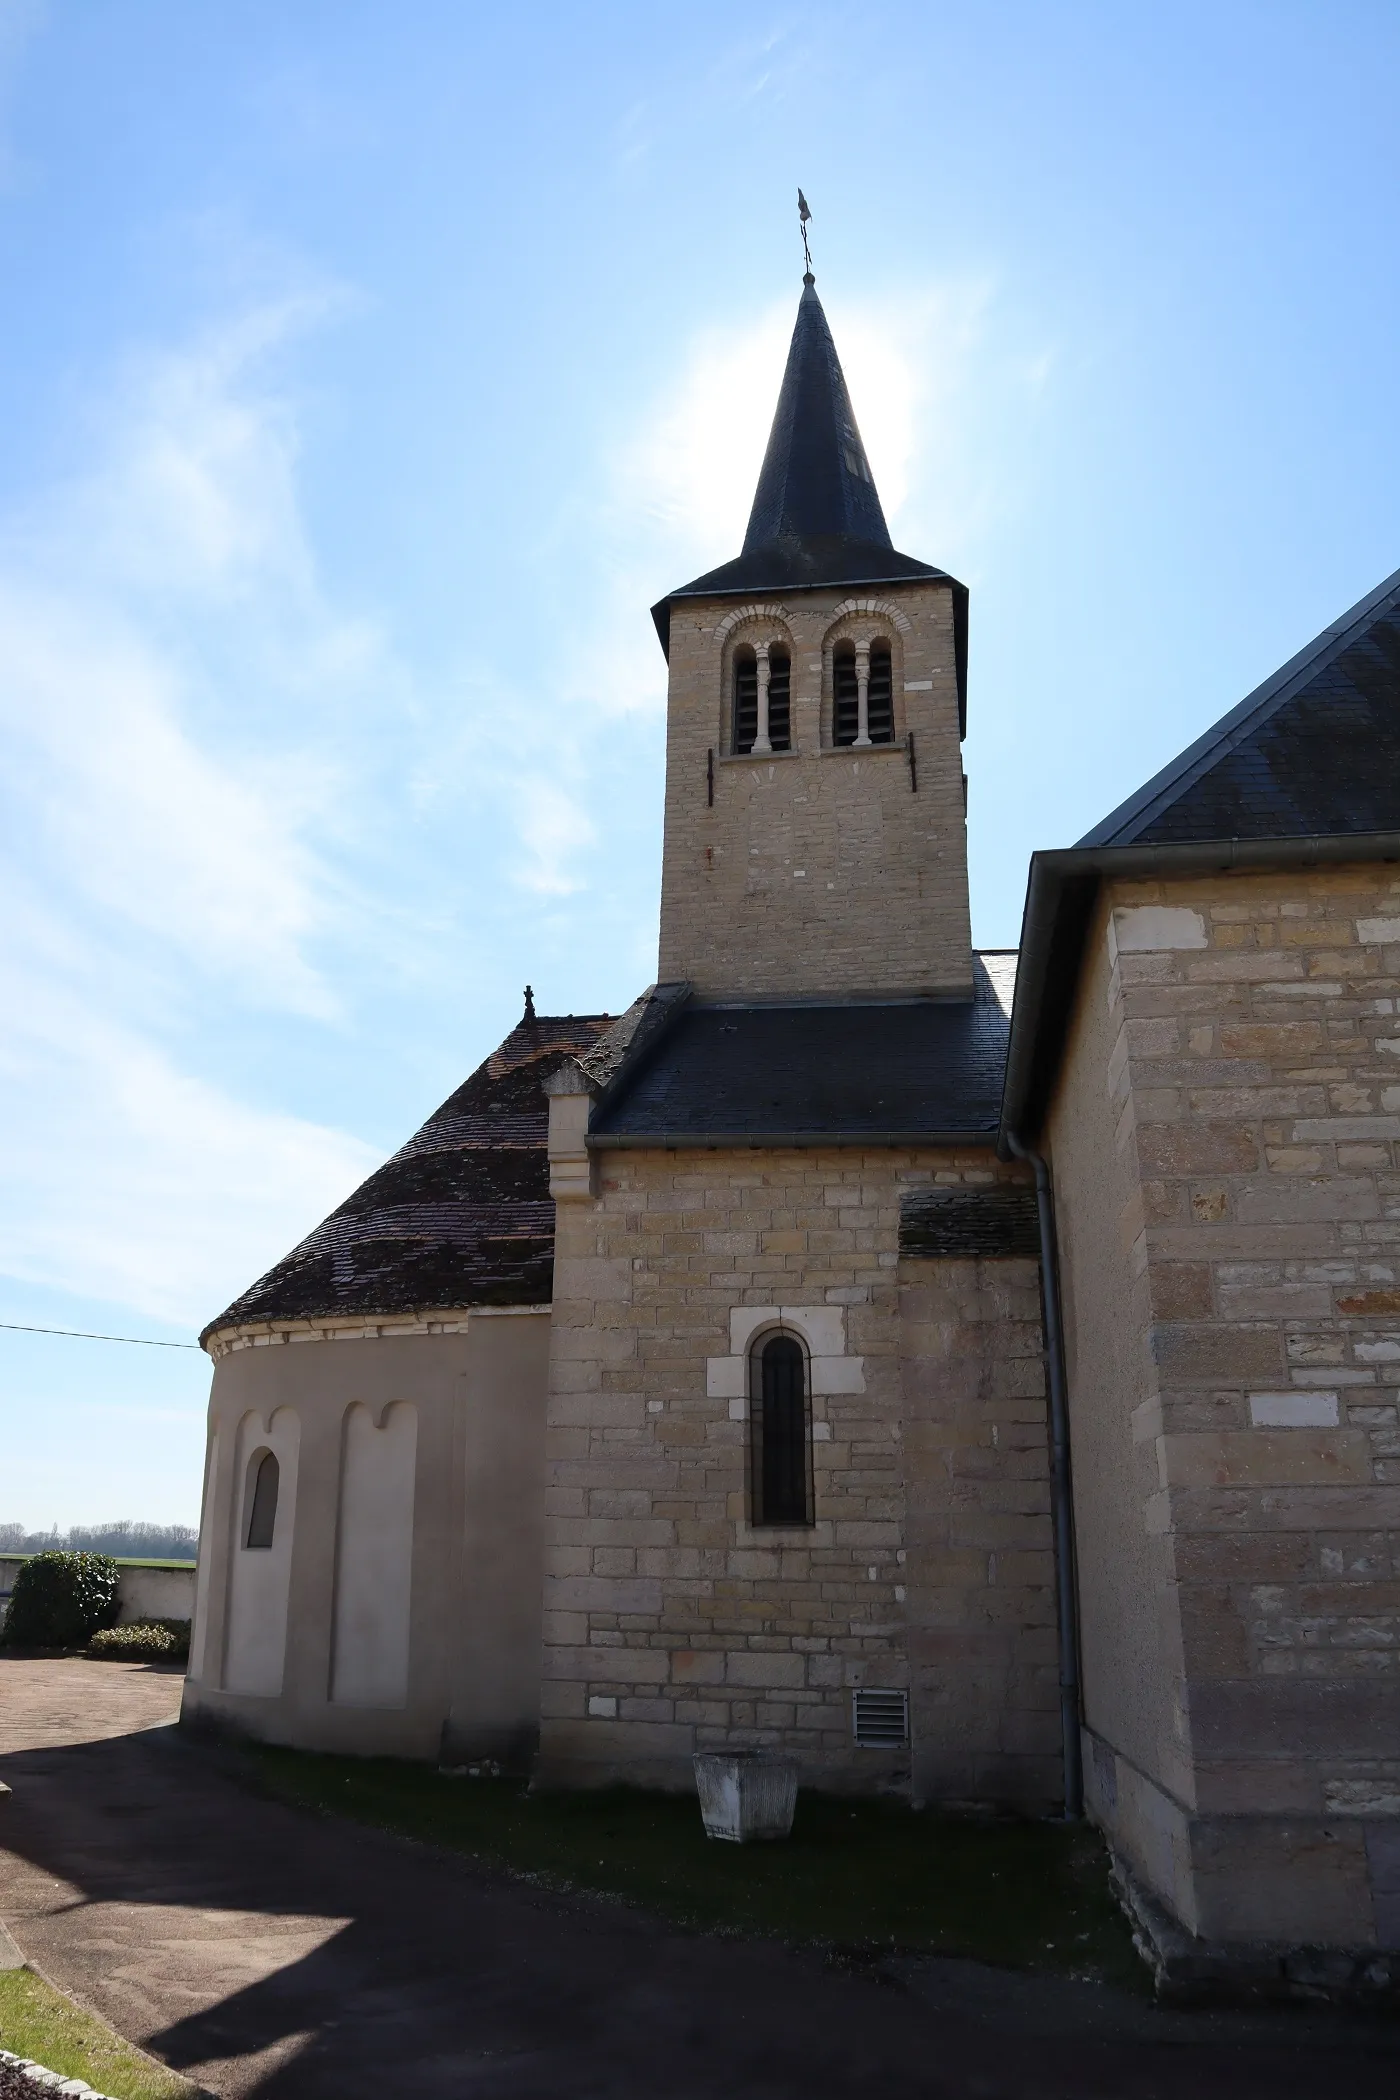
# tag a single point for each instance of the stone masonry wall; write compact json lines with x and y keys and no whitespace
{"x":671,"y":1624}
{"x":1253,"y":1085}
{"x":819,"y":869}
{"x":980,"y":1568}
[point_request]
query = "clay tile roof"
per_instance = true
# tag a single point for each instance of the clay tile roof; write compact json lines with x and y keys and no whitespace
{"x":460,"y":1216}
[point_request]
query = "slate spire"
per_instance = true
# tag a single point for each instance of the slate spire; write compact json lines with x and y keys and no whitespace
{"x":816,"y":481}
{"x":816,"y":518}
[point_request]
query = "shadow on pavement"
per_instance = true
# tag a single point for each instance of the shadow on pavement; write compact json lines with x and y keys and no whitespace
{"x":266,"y":1950}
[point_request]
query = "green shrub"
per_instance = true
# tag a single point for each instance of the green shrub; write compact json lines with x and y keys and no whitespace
{"x":60,"y":1600}
{"x":143,"y":1640}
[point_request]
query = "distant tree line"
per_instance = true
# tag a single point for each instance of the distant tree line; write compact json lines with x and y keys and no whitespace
{"x":126,"y":1540}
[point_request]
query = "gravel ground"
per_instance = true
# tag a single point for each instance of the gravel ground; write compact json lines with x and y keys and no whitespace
{"x":17,"y":2085}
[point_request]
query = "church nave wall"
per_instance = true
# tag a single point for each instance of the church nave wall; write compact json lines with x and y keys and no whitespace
{"x":1250,"y":1083}
{"x":672,"y":1622}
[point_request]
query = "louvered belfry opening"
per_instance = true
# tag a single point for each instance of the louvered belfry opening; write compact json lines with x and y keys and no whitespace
{"x":845,"y":713}
{"x":745,"y":699}
{"x":780,"y":700}
{"x":881,"y":694}
{"x":780,"y":1444}
{"x":845,"y":719}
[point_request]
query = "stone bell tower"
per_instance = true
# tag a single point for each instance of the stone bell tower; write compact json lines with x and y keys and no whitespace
{"x":815,"y":841}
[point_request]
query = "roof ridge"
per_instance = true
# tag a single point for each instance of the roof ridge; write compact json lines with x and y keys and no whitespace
{"x":1123,"y":825}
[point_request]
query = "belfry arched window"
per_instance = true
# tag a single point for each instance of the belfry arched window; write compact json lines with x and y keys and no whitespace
{"x":780,"y":1433}
{"x":762,"y":699}
{"x":262,"y":1502}
{"x":862,"y":683}
{"x":880,"y":701}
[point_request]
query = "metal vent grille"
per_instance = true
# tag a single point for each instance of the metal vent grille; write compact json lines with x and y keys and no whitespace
{"x":880,"y":1719}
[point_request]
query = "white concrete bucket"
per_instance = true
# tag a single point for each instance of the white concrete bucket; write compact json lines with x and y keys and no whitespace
{"x":746,"y":1795}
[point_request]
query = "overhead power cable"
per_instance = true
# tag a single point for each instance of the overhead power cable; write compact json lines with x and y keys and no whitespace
{"x":80,"y":1334}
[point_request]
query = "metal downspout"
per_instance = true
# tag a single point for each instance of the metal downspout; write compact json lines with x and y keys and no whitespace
{"x":1066,"y":1587}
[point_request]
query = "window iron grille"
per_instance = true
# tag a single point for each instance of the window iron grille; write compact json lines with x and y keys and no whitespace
{"x":780,"y":1453}
{"x":880,"y":1720}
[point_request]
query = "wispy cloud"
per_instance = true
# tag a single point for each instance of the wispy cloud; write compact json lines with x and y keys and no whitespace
{"x":129,"y":1179}
{"x":168,"y":665}
{"x":553,"y":828}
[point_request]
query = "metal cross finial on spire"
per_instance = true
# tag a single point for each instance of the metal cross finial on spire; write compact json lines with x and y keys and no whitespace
{"x":804,"y":213}
{"x":529,"y":1003}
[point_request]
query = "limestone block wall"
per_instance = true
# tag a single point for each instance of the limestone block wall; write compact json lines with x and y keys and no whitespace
{"x":1239,"y":1135}
{"x":980,"y":1549}
{"x":818,"y":869}
{"x":671,"y":1624}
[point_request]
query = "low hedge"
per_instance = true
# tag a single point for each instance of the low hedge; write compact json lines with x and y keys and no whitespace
{"x":60,"y":1600}
{"x":143,"y":1640}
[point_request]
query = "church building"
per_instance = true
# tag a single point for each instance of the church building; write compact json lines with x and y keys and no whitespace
{"x":973,"y":1375}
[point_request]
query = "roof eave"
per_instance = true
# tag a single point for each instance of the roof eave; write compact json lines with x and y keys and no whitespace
{"x":1060,"y":896}
{"x":775,"y":1140}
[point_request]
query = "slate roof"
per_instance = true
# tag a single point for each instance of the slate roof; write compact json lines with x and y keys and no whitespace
{"x":816,"y":517}
{"x":461,"y":1216}
{"x":992,"y":1223}
{"x":1304,"y":772}
{"x":1314,"y":751}
{"x":802,"y":1074}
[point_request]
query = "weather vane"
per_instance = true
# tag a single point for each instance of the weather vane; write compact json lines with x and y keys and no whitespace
{"x":804,"y":213}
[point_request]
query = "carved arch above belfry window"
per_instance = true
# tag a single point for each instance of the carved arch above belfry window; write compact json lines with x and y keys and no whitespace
{"x":880,"y":608}
{"x":863,"y":627}
{"x":757,"y":611}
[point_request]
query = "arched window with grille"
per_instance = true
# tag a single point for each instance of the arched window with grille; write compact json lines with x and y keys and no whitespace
{"x":756,"y":671}
{"x":262,"y":1502}
{"x":849,"y":665}
{"x":780,"y":1433}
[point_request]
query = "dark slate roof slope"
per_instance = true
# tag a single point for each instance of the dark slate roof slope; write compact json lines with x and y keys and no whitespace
{"x":629,"y":1038}
{"x":1313,"y":752}
{"x":816,"y":517}
{"x":462,"y":1215}
{"x":748,"y":1075}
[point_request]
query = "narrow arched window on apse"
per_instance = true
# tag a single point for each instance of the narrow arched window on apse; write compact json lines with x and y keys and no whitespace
{"x":780,"y":1436}
{"x":262,"y":1508}
{"x":747,"y":691}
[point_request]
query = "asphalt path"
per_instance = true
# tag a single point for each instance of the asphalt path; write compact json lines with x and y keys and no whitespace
{"x":265,"y":1950}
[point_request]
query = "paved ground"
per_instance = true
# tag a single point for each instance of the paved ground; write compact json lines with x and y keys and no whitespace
{"x":265,"y":1951}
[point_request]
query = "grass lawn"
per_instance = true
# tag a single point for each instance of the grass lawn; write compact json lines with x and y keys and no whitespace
{"x":39,"y":2022}
{"x":863,"y":1877}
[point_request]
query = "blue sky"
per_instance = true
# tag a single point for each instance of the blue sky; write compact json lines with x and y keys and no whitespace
{"x":365,"y":374}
